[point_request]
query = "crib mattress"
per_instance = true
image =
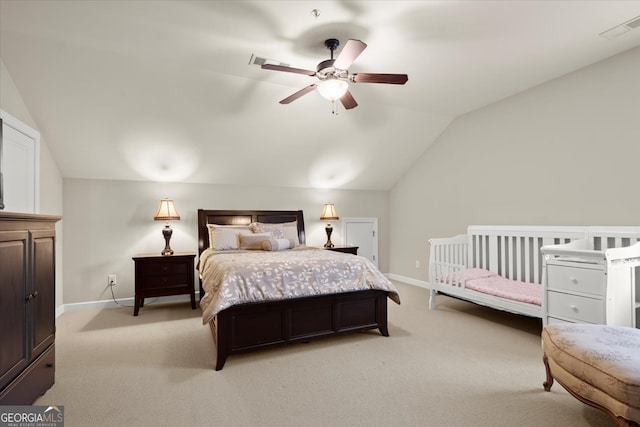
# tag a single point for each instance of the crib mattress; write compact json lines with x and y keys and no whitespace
{"x":490,"y":283}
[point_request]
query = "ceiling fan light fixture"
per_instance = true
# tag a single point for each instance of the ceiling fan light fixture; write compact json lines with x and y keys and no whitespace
{"x":333,"y":89}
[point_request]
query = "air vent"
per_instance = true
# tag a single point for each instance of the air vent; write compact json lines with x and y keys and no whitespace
{"x":619,"y":30}
{"x":259,"y":61}
{"x":634,"y":23}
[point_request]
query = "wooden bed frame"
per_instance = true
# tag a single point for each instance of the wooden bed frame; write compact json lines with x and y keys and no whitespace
{"x":254,"y":326}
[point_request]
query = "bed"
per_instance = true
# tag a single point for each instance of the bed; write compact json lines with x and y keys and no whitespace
{"x":246,"y":325}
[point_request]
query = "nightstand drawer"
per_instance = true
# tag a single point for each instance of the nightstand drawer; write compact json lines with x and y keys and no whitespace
{"x":573,"y":279}
{"x":575,"y":307}
{"x":164,"y":282}
{"x":159,"y":268}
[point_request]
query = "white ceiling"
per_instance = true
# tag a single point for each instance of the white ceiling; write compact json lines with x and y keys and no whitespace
{"x":163,"y":90}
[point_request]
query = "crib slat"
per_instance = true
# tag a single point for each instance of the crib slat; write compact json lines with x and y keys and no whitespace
{"x":518,"y":261}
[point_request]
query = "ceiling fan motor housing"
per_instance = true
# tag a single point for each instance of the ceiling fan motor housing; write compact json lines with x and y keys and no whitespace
{"x":325,"y":69}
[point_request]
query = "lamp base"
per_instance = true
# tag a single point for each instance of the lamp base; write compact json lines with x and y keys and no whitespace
{"x":329,"y":230}
{"x":167,"y":232}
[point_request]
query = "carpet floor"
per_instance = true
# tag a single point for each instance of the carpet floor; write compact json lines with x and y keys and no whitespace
{"x":458,"y":365}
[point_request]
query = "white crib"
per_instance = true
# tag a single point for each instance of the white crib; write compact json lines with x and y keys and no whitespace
{"x":512,"y":252}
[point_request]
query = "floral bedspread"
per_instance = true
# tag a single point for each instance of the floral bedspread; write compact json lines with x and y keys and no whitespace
{"x":236,"y":277}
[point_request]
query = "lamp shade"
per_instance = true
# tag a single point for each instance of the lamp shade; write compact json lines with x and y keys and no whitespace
{"x":329,"y":213}
{"x":166,"y":211}
{"x":333,"y":89}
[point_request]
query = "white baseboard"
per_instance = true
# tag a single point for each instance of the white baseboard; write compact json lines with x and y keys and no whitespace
{"x":129,"y":302}
{"x":126,"y":302}
{"x":408,"y":280}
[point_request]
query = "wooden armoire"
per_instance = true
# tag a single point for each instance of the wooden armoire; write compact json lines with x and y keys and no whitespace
{"x":27,"y":306}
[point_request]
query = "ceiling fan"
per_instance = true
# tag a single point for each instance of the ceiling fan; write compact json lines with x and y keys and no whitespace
{"x":334,"y":74}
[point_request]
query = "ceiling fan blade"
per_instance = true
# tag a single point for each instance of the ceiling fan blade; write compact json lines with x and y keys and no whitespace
{"x":298,"y":94}
{"x":351,"y":50}
{"x":275,"y":67}
{"x":348,"y":102}
{"x":394,"y":79}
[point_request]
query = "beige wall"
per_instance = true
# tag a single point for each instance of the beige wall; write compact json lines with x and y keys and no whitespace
{"x":108,"y":222}
{"x":50,"y":177}
{"x":566,"y":153}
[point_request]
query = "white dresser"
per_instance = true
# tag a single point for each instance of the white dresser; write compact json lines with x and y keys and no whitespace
{"x":584,"y":285}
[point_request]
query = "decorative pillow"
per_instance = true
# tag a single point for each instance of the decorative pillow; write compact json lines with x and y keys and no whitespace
{"x":253,"y":241}
{"x":285,"y":230}
{"x":278,"y":244}
{"x":225,"y":237}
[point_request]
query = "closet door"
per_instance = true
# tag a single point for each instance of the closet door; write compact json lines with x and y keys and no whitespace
{"x":19,"y":160}
{"x":362,"y":232}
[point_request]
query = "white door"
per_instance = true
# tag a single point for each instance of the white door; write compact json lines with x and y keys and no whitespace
{"x":19,"y":166}
{"x":362,"y":232}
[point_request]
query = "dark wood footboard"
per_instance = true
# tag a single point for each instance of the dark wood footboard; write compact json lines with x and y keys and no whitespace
{"x":254,"y":326}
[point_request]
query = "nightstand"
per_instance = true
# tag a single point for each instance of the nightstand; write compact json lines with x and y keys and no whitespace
{"x":345,"y":249}
{"x":159,"y":276}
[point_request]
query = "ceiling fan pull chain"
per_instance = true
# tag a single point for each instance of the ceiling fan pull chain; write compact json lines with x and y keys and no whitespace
{"x":334,"y":111}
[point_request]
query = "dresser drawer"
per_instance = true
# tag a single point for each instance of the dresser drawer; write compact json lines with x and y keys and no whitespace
{"x":582,"y":309}
{"x":575,"y":279}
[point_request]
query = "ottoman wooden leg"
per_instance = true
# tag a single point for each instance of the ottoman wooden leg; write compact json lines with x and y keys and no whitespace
{"x":549,"y":382}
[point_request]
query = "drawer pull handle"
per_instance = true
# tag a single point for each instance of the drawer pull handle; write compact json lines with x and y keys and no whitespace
{"x":574,"y":307}
{"x":573,"y":279}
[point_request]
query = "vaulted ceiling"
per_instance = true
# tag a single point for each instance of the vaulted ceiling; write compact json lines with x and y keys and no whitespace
{"x":165,"y":91}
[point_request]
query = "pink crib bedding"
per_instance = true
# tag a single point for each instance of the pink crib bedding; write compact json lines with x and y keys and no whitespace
{"x":491,"y":283}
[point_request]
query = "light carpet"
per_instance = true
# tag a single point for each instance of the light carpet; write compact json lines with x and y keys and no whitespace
{"x":458,"y":365}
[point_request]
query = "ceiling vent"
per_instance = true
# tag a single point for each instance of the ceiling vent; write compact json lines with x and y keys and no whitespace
{"x":259,"y":61}
{"x":619,"y":30}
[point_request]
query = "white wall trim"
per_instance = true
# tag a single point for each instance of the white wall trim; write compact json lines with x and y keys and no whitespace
{"x":408,"y":280}
{"x":129,"y":302}
{"x":122,"y":303}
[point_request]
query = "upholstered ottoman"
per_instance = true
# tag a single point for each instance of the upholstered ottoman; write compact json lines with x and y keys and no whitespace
{"x":597,"y":364}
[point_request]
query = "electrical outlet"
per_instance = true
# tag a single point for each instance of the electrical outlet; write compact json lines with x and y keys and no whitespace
{"x":417,"y":263}
{"x":111,"y":280}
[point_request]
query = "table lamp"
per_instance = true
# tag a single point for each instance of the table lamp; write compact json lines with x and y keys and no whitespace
{"x":329,"y":214}
{"x":166,"y":212}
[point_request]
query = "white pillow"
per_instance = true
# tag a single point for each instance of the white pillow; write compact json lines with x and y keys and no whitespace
{"x":226,"y":237}
{"x":285,"y":230}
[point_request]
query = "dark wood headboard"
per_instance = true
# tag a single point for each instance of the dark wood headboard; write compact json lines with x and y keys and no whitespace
{"x":227,"y":217}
